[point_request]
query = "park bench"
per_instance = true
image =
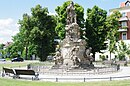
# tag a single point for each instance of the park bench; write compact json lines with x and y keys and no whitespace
{"x":8,"y":71}
{"x":19,"y":72}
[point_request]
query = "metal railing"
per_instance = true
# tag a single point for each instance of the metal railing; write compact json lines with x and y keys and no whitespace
{"x":85,"y":79}
{"x":47,"y":70}
{"x":82,"y":79}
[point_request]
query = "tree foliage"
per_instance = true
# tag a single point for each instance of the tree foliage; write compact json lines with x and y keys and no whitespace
{"x":12,"y":50}
{"x":2,"y":50}
{"x":43,"y":31}
{"x":2,"y":46}
{"x":26,"y":25}
{"x":62,"y":15}
{"x":36,"y":36}
{"x":96,"y":31}
{"x":112,"y":24}
{"x":123,"y":50}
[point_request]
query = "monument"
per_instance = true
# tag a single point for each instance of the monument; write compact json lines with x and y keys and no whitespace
{"x":72,"y":56}
{"x":73,"y":52}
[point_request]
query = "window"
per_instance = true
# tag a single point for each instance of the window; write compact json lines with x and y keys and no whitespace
{"x":123,"y":14}
{"x":124,"y":36}
{"x":123,"y":24}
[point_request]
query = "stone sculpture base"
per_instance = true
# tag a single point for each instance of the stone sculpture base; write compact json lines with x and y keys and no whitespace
{"x":73,"y":50}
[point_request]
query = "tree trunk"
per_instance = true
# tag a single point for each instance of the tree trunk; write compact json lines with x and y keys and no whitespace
{"x":27,"y":43}
{"x":93,"y":56}
{"x":110,"y":55}
{"x":42,"y":52}
{"x":26,"y":55}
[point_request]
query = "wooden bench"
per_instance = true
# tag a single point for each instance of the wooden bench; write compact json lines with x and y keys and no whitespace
{"x":19,"y":72}
{"x":8,"y":71}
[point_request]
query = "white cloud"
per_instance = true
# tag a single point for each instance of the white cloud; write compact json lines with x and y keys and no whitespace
{"x":8,"y":28}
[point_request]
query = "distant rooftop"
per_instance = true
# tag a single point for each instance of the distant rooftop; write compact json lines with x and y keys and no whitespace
{"x":123,"y":6}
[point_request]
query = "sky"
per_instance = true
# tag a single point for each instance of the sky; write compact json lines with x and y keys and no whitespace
{"x":12,"y":10}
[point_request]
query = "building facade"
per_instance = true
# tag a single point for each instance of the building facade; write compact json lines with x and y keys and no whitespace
{"x":124,"y":28}
{"x":124,"y":21}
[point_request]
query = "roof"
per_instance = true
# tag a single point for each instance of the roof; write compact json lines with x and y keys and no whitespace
{"x":127,"y":1}
{"x":7,"y":44}
{"x":121,"y":8}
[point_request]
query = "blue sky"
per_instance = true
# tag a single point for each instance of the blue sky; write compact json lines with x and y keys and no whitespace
{"x":12,"y":10}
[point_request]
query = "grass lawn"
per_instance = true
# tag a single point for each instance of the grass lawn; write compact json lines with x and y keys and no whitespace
{"x":13,"y":64}
{"x":12,"y":82}
{"x":22,"y":64}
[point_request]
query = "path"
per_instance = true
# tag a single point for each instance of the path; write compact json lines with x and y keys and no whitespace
{"x":125,"y":71}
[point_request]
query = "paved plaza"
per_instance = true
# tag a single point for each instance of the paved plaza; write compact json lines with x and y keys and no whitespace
{"x":98,"y":77}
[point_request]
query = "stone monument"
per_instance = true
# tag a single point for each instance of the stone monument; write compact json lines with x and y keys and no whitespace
{"x":73,"y":52}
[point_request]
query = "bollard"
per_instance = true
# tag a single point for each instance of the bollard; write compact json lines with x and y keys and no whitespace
{"x":84,"y":79}
{"x":110,"y":78}
{"x":56,"y":79}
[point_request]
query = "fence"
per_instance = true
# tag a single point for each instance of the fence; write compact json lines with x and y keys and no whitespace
{"x":62,"y":71}
{"x":60,"y":79}
{"x":85,"y":79}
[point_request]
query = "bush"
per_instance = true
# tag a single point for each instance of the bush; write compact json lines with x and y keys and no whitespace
{"x":121,"y":57}
{"x":7,"y":59}
{"x":102,"y":57}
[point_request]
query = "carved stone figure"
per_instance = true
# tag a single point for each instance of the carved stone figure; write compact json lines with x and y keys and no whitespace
{"x":87,"y":55}
{"x":71,"y":15}
{"x":58,"y":58}
{"x":69,"y":32}
{"x":88,"y":51}
{"x":74,"y":57}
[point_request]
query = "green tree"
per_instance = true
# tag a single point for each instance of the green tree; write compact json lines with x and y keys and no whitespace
{"x":32,"y":50}
{"x":2,"y":46}
{"x":12,"y":50}
{"x":2,"y":50}
{"x":96,"y":31}
{"x":36,"y":36}
{"x":112,"y":24}
{"x":62,"y":15}
{"x":43,"y":32}
{"x":123,"y":50}
{"x":23,"y":38}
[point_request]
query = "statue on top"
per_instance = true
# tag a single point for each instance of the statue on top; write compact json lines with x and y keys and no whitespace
{"x":71,"y":15}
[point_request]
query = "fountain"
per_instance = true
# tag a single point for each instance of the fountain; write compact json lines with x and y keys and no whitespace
{"x":73,"y":58}
{"x":73,"y":52}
